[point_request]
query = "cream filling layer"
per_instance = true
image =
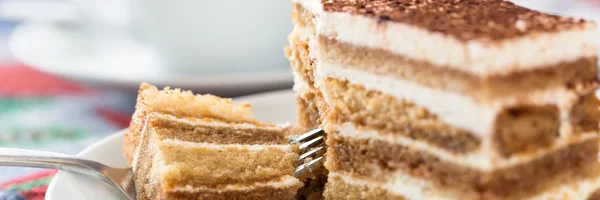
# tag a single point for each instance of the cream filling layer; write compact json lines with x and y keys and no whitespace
{"x":453,"y":108}
{"x":286,"y":182}
{"x":414,"y":188}
{"x":402,"y":185}
{"x":224,"y":147}
{"x":482,"y":159}
{"x":200,"y":122}
{"x":299,"y":85}
{"x":475,"y":56}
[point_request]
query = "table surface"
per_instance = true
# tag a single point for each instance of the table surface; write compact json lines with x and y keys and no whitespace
{"x":41,"y":111}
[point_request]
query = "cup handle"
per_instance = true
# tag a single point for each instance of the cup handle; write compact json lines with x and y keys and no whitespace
{"x":40,"y":11}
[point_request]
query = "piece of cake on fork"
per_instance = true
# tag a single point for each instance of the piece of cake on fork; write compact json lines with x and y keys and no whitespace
{"x":448,"y":99}
{"x":186,"y":146}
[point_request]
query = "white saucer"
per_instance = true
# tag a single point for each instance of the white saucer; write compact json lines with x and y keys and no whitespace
{"x":118,"y":60}
{"x":275,"y":107}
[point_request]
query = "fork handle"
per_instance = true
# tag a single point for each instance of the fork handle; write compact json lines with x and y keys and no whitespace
{"x":49,"y":160}
{"x":42,"y":159}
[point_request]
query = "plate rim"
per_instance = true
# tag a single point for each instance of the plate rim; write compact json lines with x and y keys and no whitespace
{"x":51,"y":187}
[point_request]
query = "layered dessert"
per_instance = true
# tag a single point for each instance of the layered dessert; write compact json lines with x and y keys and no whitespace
{"x":186,"y":146}
{"x":472,"y":99}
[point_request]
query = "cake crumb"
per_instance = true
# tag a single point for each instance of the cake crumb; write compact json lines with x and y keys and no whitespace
{"x":521,"y":25}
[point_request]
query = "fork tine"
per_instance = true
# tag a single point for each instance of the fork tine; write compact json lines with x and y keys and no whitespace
{"x":310,"y":144}
{"x":306,"y":169}
{"x":308,"y":136}
{"x":312,"y":153}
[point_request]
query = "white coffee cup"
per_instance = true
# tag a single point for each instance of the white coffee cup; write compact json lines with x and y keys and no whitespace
{"x":202,"y":35}
{"x":214,"y":35}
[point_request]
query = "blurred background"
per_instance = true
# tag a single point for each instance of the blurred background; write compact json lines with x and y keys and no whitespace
{"x":69,"y":70}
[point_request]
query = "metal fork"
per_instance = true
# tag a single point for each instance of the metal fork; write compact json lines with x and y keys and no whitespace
{"x":118,"y":178}
{"x":121,"y":179}
{"x":311,"y":143}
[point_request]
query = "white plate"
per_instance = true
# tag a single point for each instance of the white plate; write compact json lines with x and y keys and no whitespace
{"x":118,"y":60}
{"x":275,"y":107}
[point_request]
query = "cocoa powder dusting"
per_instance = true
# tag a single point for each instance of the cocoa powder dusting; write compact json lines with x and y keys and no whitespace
{"x":464,"y":19}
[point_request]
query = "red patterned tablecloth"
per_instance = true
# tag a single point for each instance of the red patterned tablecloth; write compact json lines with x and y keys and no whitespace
{"x":44,"y":112}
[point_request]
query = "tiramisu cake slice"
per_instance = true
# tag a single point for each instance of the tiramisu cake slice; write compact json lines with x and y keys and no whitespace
{"x":185,"y":146}
{"x":448,"y":99}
